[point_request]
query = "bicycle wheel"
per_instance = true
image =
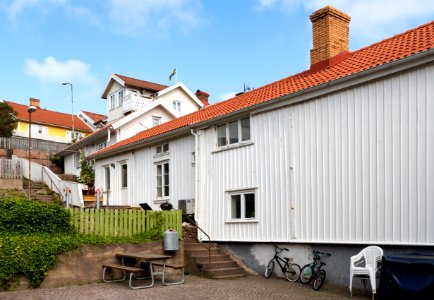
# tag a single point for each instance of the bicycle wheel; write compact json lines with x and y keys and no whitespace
{"x":319,"y":280}
{"x":269,"y":269}
{"x":306,"y":274}
{"x":292,"y":272}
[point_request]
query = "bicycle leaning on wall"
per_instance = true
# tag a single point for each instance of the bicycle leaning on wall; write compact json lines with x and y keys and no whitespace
{"x":290,"y":269}
{"x":313,"y":271}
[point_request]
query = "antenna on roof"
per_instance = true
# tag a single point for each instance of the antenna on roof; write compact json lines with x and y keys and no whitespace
{"x":246,"y":88}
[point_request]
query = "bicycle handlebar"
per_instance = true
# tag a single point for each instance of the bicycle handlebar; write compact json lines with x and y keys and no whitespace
{"x":315,"y":252}
{"x":277,"y":249}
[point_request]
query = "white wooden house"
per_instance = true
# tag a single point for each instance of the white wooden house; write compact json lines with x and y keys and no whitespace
{"x":336,"y":157}
{"x":133,"y":106}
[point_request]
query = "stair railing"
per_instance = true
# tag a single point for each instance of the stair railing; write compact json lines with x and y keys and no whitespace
{"x":209,"y":239}
{"x":52,"y":183}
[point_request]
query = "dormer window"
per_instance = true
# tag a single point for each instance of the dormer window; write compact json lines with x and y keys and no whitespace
{"x":112,"y":103}
{"x":156,"y":120}
{"x":177,"y":106}
{"x":121,"y":97}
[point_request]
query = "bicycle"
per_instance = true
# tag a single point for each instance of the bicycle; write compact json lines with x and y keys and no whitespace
{"x":313,"y":271}
{"x":290,"y":269}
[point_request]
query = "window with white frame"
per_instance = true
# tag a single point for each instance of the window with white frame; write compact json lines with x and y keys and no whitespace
{"x":233,"y":132}
{"x":160,"y":149}
{"x":124,"y":175}
{"x":121,"y":97}
{"x":163,"y":188}
{"x":156,"y":120}
{"x":100,"y":146}
{"x":242,"y":205}
{"x":39,"y":129}
{"x":76,"y":158}
{"x":177,"y":106}
{"x":112,"y":101}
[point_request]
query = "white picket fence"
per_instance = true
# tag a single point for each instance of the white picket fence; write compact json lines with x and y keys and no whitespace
{"x":70,"y":192}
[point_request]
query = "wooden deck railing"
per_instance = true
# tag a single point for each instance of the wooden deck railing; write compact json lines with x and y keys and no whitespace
{"x":123,"y":222}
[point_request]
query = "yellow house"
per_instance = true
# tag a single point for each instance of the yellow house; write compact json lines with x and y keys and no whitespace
{"x":47,"y":124}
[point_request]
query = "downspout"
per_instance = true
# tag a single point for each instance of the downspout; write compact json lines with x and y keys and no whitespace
{"x":196,"y":171}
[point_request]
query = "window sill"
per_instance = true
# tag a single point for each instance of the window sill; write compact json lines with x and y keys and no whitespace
{"x":162,"y":154}
{"x":242,"y":221}
{"x":233,"y":146}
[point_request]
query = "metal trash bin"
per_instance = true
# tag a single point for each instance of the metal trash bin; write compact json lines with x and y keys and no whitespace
{"x":171,"y":240}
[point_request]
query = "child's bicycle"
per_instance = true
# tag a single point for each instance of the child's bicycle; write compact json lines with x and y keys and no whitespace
{"x":313,"y":271}
{"x":290,"y":269}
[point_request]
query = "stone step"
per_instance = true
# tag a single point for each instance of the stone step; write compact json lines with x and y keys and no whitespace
{"x":219,"y":265}
{"x":199,"y":246}
{"x":237,"y":271}
{"x":203,"y":252}
{"x":217,"y":258}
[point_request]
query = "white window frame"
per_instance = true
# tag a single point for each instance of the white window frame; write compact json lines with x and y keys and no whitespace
{"x":112,"y":101}
{"x":124,"y":181}
{"x":226,"y":128}
{"x":177,"y":106}
{"x":156,"y":120}
{"x":162,"y":195}
{"x":243,"y":217}
{"x":120,"y":97}
{"x":162,"y":149}
{"x":76,"y":158}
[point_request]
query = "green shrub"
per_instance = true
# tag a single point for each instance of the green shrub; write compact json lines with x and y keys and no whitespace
{"x":33,"y":234}
{"x":27,"y":216}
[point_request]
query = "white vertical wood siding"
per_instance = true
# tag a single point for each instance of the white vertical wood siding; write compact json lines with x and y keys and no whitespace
{"x":363,"y":168}
{"x":142,"y":174}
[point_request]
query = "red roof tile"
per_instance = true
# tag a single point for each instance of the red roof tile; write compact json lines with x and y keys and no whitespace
{"x":397,"y":47}
{"x":94,"y":116}
{"x":49,"y":117}
{"x":142,"y":84}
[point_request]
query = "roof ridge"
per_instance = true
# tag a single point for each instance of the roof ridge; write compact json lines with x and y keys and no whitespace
{"x":119,"y":75}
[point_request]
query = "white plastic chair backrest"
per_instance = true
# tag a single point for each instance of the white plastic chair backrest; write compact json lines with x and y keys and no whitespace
{"x":372,"y":255}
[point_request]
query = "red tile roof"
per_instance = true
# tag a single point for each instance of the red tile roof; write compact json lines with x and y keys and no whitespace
{"x":133,"y":82}
{"x":94,"y":116}
{"x":49,"y":117}
{"x":397,"y":47}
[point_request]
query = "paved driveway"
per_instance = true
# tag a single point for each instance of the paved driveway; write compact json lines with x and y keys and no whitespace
{"x":195,"y":288}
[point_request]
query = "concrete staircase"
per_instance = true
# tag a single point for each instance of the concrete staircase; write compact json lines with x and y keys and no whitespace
{"x":222,"y":264}
{"x":40,"y":192}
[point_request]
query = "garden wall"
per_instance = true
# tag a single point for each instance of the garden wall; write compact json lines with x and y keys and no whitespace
{"x":84,"y":265}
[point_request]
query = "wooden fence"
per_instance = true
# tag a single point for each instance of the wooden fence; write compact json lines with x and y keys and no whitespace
{"x":10,"y":169}
{"x":123,"y":222}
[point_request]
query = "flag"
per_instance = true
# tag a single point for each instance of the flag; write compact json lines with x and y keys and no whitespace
{"x":173,"y":73}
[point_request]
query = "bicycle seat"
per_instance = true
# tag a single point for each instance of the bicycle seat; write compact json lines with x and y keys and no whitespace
{"x":323,"y":263}
{"x":289,"y":258}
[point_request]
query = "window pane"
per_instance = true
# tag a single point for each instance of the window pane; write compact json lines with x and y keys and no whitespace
{"x":236,"y":206}
{"x":221,"y":135}
{"x":124,"y":176}
{"x":166,"y":179}
{"x":166,"y":169}
{"x":233,"y":132}
{"x":166,"y":191}
{"x":158,"y":149}
{"x":245,"y":129}
{"x":159,"y":181}
{"x":165,"y":147}
{"x":159,"y":170}
{"x":249,"y":202}
{"x":159,"y":191}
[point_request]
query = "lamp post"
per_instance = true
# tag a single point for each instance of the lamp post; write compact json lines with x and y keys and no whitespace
{"x":30,"y":110}
{"x":72,"y":107}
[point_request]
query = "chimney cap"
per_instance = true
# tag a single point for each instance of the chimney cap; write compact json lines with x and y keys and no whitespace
{"x":199,"y":92}
{"x":329,"y":10}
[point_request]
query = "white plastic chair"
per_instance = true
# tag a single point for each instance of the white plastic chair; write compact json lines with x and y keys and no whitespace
{"x":369,"y":257}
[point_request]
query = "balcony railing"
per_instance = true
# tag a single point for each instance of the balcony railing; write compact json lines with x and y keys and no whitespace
{"x":133,"y":102}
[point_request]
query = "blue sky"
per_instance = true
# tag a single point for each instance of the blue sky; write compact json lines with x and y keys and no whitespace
{"x":216,"y":46}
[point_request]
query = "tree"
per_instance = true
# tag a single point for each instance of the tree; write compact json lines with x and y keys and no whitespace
{"x":87,"y":174}
{"x":8,"y":120}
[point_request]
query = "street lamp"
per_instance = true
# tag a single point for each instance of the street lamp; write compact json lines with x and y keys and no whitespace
{"x":72,"y":107}
{"x":30,"y":110}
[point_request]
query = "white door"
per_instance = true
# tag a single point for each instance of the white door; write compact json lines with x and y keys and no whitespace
{"x":107,"y":189}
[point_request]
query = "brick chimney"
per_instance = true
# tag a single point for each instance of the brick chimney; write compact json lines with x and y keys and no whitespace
{"x":330,"y":35}
{"x":35,"y":102}
{"x":203,"y":97}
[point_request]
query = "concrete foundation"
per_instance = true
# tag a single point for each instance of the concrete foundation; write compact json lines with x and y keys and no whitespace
{"x":257,"y":255}
{"x":11,"y":184}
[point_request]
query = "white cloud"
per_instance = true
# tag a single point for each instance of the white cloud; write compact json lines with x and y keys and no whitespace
{"x":264,"y":4}
{"x":371,"y":20}
{"x":52,"y":70}
{"x":133,"y":17}
{"x":16,"y":7}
